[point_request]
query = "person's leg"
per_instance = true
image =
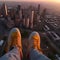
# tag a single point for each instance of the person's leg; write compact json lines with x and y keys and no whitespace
{"x":14,"y":44}
{"x":34,"y":49}
{"x":36,"y":55}
{"x":12,"y":55}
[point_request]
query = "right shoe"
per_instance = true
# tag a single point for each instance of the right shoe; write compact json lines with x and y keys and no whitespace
{"x":34,"y":42}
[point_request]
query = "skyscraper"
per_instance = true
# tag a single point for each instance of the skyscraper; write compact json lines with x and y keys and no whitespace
{"x":20,"y":14}
{"x":27,"y":22}
{"x":38,"y":13}
{"x":19,"y":11}
{"x":39,"y":9}
{"x":32,"y":17}
{"x":18,"y":7}
{"x":4,"y":9}
{"x":23,"y":22}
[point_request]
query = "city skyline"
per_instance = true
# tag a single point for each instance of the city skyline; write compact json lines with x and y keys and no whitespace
{"x":55,"y":1}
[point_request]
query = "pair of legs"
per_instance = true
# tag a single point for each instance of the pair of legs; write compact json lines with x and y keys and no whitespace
{"x":14,"y":47}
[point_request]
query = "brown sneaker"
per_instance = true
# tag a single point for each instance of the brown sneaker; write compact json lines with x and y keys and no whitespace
{"x":34,"y":41}
{"x":14,"y":40}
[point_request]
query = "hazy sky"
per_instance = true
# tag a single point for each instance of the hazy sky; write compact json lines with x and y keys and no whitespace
{"x":35,"y":0}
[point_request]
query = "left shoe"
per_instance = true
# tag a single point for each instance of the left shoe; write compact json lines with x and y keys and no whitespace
{"x":14,"y":40}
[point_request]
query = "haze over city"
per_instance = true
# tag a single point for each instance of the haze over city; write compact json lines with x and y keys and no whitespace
{"x":52,"y":5}
{"x":34,"y":0}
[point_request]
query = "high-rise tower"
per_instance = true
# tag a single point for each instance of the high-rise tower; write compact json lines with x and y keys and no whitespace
{"x":32,"y":18}
{"x":4,"y":9}
{"x":39,"y":9}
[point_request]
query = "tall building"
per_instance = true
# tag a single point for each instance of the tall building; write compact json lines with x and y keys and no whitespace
{"x":43,"y":18}
{"x":17,"y":20}
{"x":23,"y":22}
{"x":20,"y":14}
{"x":19,"y":11}
{"x":4,"y":9}
{"x":12,"y":13}
{"x":39,"y":9}
{"x":38,"y":13}
{"x":18,"y":7}
{"x":32,"y":18}
{"x":44,"y":13}
{"x":27,"y":22}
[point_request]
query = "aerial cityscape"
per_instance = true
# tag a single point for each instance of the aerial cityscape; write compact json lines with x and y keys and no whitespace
{"x":29,"y":19}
